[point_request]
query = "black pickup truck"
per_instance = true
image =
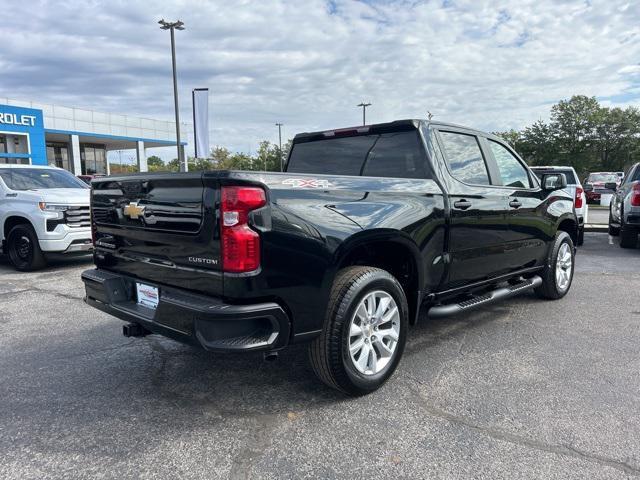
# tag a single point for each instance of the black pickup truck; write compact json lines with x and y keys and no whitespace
{"x":365,"y":227}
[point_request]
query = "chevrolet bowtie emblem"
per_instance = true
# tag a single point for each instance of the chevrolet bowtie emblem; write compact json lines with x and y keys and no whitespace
{"x":133,"y":210}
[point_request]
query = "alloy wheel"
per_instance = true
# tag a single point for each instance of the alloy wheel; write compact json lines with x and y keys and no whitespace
{"x":564,"y":263}
{"x":374,"y":332}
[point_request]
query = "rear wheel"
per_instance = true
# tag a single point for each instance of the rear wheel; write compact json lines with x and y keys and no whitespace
{"x":364,"y":332}
{"x":23,"y":248}
{"x":558,"y":271}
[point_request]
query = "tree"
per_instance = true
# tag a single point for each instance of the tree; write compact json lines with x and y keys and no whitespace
{"x":512,"y":137}
{"x":268,"y":157}
{"x":155,"y":164}
{"x":583,"y":134}
{"x":173,"y":165}
{"x":574,"y":125}
{"x":538,"y":144}
{"x":617,"y":136}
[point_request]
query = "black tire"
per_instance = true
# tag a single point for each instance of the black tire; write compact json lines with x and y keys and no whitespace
{"x":24,"y":250}
{"x":628,"y":237}
{"x":580,"y":239}
{"x":549,"y":289}
{"x":613,"y":231}
{"x":329,"y":352}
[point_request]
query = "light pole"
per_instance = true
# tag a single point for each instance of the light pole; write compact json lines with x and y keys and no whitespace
{"x":280,"y":125}
{"x":171,"y":26}
{"x":364,"y":111}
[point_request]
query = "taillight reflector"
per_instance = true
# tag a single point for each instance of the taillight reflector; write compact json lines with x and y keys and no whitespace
{"x":240,"y":244}
{"x":578,"y":199}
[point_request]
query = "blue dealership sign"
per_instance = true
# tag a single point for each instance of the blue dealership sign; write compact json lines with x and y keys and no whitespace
{"x":29,"y":122}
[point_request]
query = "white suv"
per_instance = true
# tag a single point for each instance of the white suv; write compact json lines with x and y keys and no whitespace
{"x":575,"y":189}
{"x":42,"y":209}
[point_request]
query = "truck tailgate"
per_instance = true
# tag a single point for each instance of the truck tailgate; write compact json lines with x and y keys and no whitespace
{"x":161,"y":228}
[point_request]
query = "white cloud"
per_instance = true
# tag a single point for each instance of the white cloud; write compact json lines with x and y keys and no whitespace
{"x":491,"y":65}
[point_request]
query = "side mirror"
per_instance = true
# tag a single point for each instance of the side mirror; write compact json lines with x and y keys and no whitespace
{"x":554,"y":181}
{"x":611,"y":186}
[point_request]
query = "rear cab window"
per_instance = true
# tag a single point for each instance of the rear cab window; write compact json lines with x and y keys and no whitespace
{"x":391,"y":154}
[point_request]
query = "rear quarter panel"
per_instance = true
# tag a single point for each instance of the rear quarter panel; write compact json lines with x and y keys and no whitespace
{"x":317,"y":220}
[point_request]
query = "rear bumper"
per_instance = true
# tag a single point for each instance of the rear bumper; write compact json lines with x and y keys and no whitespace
{"x":633,"y":219}
{"x":194,"y":319}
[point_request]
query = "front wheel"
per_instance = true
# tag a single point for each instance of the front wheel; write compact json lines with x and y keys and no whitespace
{"x":558,"y":271}
{"x":364,"y":333}
{"x":23,"y":248}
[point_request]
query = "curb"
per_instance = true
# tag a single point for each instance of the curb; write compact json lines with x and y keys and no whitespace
{"x":596,"y":227}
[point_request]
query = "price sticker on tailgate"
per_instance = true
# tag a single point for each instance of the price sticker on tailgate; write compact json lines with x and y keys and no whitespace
{"x":147,"y":295}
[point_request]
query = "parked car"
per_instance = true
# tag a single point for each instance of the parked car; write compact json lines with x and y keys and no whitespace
{"x":574,"y":188}
{"x":366,"y":226}
{"x":87,"y":178}
{"x":624,"y":211}
{"x":43,"y":209}
{"x":594,"y":185}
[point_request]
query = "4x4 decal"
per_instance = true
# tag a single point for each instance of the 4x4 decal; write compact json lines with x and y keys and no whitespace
{"x":306,"y":183}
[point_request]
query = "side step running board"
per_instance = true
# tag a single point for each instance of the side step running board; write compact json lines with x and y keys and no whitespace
{"x":498,"y":294}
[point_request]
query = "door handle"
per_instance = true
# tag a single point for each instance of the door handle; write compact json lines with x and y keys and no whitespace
{"x":462,"y":204}
{"x":515,"y":203}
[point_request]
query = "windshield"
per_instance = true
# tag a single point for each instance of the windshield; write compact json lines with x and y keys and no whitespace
{"x":39,"y":179}
{"x":603,"y":177}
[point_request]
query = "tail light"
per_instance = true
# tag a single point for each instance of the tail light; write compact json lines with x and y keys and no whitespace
{"x":635,"y":195}
{"x":578,"y":199}
{"x":240,"y":244}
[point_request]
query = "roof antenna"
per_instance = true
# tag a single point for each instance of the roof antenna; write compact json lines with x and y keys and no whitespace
{"x":429,"y":115}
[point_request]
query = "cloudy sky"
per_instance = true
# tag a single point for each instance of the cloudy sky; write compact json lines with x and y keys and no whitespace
{"x":307,"y":63}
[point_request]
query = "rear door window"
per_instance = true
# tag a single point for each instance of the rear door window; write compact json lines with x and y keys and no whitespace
{"x":398,"y":155}
{"x":464,"y":157}
{"x":512,"y":172}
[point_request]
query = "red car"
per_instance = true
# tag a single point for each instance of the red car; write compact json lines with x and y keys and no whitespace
{"x":87,"y":178}
{"x":594,"y":185}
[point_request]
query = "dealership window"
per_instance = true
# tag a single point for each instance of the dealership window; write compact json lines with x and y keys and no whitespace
{"x":93,"y":159}
{"x":58,"y":155}
{"x":14,"y":143}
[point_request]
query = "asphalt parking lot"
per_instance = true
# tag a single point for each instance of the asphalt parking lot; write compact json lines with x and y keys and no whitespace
{"x":521,"y":389}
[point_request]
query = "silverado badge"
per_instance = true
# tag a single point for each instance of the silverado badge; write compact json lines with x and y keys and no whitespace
{"x":133,"y":210}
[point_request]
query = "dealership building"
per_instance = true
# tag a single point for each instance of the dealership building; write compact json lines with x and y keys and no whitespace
{"x":77,"y":139}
